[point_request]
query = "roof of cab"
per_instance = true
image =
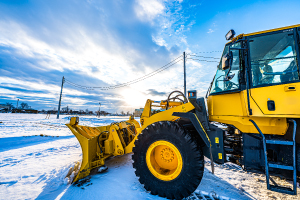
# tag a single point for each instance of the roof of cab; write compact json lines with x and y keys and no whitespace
{"x":272,"y":30}
{"x":261,"y":32}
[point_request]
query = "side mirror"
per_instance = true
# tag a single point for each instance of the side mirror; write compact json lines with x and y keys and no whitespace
{"x":226,"y":60}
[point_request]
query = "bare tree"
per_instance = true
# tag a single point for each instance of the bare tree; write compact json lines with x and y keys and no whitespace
{"x":10,"y":106}
{"x":24,"y":105}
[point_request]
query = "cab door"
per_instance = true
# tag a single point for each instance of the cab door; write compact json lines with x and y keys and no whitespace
{"x":275,"y":86}
{"x":225,"y":96}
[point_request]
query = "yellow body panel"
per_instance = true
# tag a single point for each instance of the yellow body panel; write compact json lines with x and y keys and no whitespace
{"x":268,"y":125}
{"x":232,"y":109}
{"x":166,"y":115}
{"x":286,"y":100}
{"x":228,"y":104}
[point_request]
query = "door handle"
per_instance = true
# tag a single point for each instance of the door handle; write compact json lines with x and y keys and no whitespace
{"x":290,"y":88}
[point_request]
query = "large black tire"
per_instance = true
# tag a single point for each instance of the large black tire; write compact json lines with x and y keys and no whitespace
{"x":192,"y":160}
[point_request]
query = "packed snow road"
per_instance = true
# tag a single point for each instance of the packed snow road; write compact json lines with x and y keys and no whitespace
{"x":36,"y":154}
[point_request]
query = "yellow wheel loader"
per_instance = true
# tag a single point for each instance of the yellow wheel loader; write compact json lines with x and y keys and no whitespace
{"x":249,"y":117}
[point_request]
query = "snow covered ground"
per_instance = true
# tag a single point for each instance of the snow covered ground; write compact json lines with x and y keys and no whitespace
{"x":36,"y":154}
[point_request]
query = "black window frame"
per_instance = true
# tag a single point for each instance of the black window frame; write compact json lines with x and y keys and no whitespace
{"x":240,"y":71}
{"x":296,"y":39}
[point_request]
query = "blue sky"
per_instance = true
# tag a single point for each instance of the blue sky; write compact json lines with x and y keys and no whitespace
{"x":104,"y":43}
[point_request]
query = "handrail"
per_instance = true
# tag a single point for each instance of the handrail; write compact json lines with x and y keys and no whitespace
{"x":265,"y":150}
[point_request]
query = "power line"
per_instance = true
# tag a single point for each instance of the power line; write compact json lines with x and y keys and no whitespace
{"x":203,"y":60}
{"x":129,"y":82}
{"x":78,"y":86}
{"x":133,"y":82}
{"x":147,"y":75}
{"x":208,"y":52}
{"x":205,"y":57}
{"x":159,"y":70}
{"x":121,"y":85}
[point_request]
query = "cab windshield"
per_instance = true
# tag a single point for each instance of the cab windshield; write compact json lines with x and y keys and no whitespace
{"x":220,"y":83}
{"x":273,"y":58}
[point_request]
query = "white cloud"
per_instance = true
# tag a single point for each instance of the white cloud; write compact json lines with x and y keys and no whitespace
{"x":159,"y":41}
{"x":51,"y":57}
{"x":210,"y":31}
{"x":147,"y":10}
{"x":100,"y":52}
{"x":174,"y":23}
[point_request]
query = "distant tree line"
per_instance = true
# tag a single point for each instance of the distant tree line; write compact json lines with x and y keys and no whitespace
{"x":24,"y":107}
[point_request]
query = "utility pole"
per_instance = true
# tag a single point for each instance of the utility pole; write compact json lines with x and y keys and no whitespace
{"x":99,"y":108}
{"x":62,"y":85}
{"x":184,"y":73}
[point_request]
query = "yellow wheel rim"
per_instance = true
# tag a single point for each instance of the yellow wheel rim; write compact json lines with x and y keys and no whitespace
{"x":164,"y":160}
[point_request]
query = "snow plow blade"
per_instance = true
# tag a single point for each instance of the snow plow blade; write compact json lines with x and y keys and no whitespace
{"x":100,"y":143}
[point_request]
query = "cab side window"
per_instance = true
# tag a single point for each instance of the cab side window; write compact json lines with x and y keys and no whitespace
{"x":220,"y":83}
{"x":273,"y":58}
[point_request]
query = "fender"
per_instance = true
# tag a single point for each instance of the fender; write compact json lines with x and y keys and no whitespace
{"x":197,"y":124}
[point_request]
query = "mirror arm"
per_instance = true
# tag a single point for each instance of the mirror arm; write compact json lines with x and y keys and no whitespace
{"x":226,"y":76}
{"x":233,"y":48}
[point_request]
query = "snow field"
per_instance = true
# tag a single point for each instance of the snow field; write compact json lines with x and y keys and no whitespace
{"x":35,"y":167}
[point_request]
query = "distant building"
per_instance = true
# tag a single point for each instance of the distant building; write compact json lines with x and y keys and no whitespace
{"x":24,"y":111}
{"x":4,"y":108}
{"x":51,"y":111}
{"x":65,"y":109}
{"x":138,"y":112}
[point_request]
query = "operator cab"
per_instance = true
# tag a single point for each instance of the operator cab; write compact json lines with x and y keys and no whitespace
{"x":261,"y":67}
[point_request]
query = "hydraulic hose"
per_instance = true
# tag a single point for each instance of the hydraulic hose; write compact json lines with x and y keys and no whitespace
{"x":99,"y":141}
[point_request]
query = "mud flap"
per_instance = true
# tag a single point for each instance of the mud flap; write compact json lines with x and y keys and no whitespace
{"x":212,"y":138}
{"x":217,"y":144}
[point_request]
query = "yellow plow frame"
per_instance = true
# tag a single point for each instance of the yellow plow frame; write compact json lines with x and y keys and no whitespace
{"x":100,"y":143}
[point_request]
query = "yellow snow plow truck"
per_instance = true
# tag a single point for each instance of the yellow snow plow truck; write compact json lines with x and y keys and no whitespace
{"x":249,"y":116}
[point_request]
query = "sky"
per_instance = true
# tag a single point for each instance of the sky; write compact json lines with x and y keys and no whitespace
{"x":112,"y":52}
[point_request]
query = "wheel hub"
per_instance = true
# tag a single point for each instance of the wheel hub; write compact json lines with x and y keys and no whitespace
{"x":164,"y":160}
{"x":167,"y":155}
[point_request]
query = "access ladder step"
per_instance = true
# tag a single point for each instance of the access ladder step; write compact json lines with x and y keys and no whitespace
{"x":282,"y":189}
{"x":273,"y":165}
{"x":283,"y":142}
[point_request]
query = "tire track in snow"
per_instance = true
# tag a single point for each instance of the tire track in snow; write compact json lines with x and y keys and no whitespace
{"x":11,"y":159}
{"x":28,"y":169}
